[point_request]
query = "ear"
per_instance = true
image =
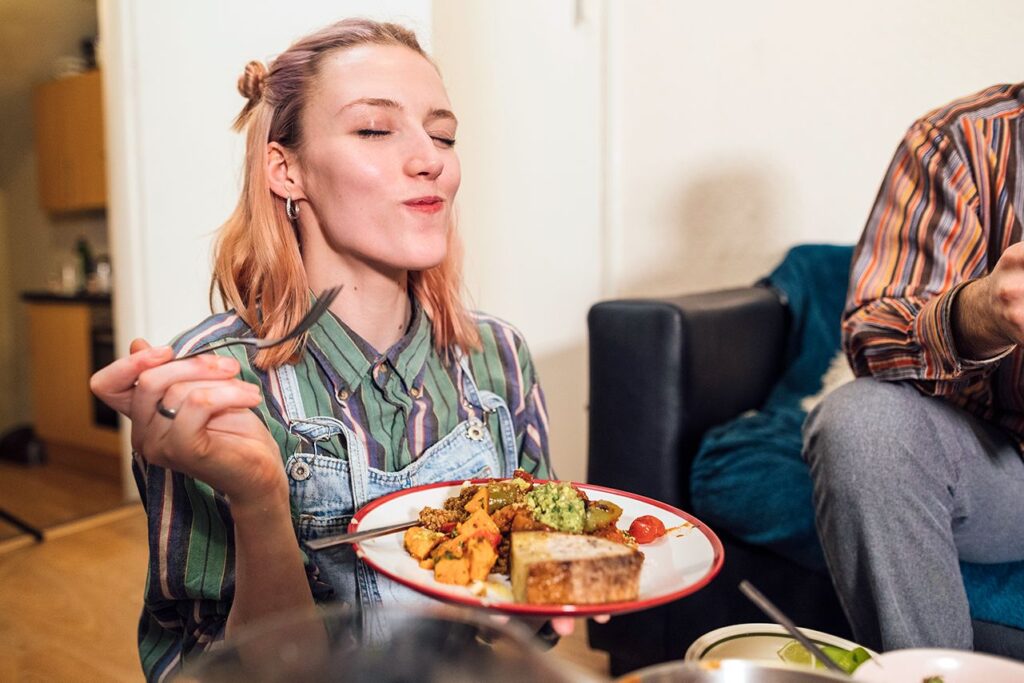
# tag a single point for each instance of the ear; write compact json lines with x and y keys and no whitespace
{"x":284,"y":172}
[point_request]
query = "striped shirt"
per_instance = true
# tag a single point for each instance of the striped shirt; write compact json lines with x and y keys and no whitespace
{"x":950,"y":204}
{"x":399,"y":403}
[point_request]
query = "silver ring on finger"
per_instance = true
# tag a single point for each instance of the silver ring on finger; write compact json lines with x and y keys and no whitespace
{"x":169,"y":413}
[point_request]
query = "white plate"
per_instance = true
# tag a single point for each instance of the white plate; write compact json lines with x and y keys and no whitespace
{"x":954,"y":666}
{"x":679,"y":563}
{"x":755,"y":642}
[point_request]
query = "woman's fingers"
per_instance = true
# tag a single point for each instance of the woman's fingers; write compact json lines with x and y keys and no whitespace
{"x":155,"y":382}
{"x":115,"y":383}
{"x":564,"y":626}
{"x":184,"y":443}
{"x":176,"y":394}
{"x":138,"y":344}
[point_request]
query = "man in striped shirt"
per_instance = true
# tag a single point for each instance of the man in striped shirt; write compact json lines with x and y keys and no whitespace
{"x":917,"y":464}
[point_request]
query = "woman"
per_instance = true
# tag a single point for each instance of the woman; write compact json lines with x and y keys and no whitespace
{"x":350,"y":178}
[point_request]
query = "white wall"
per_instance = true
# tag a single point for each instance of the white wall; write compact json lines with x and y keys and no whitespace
{"x":727,"y":132}
{"x":745,"y":127}
{"x":609,"y":148}
{"x":174,"y":163}
{"x":525,"y":81}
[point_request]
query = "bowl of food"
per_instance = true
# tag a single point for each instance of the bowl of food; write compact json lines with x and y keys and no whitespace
{"x":771,"y":644}
{"x":939,"y":666}
{"x":728,"y":671}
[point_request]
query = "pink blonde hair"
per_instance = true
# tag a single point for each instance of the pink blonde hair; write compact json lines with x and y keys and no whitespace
{"x":257,"y":260}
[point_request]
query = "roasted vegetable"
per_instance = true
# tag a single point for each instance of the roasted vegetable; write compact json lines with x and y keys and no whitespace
{"x":454,"y":570}
{"x":504,"y":493}
{"x":419,"y":541}
{"x":479,"y":500}
{"x":600,"y":514}
{"x":478,"y":521}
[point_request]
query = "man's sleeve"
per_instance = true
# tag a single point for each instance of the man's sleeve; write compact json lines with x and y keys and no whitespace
{"x":923,"y":241}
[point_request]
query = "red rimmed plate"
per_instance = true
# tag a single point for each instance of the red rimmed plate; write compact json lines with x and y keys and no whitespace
{"x":679,"y":563}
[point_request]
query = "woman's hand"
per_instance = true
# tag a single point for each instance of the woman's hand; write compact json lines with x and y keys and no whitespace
{"x":213,"y":437}
{"x":561,"y":626}
{"x":115,"y":383}
{"x":564,"y":626}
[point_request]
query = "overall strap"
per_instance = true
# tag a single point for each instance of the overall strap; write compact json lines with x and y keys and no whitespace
{"x":316,"y":428}
{"x":489,"y":402}
{"x":291,"y":397}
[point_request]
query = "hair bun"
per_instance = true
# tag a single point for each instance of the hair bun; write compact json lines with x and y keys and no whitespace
{"x":252,"y":81}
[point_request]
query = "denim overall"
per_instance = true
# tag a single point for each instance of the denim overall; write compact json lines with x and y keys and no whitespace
{"x":326,"y":491}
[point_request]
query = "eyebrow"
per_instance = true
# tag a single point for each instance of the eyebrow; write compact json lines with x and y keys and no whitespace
{"x":391,"y":104}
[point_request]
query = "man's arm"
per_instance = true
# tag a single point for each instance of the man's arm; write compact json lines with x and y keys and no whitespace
{"x":923,"y":246}
{"x":988,"y":313}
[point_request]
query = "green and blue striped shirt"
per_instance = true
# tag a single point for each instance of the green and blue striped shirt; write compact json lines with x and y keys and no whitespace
{"x":399,"y":403}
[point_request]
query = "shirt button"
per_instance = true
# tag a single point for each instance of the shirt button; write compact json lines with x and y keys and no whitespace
{"x":342,"y":395}
{"x":300,"y":471}
{"x":415,"y":392}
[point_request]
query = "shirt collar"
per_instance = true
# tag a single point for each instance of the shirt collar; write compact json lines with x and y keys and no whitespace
{"x":353,"y":359}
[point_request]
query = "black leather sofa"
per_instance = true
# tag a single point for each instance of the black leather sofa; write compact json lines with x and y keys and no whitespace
{"x":661,"y":373}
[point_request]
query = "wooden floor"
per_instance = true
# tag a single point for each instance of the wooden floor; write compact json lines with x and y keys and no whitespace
{"x":49,"y":495}
{"x":69,"y":606}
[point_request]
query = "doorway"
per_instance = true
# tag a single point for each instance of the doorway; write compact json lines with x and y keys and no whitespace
{"x":60,"y":464}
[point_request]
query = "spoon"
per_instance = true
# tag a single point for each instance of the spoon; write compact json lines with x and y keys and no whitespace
{"x":785,"y":622}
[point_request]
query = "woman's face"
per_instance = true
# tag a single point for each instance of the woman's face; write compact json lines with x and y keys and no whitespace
{"x":378,"y":163}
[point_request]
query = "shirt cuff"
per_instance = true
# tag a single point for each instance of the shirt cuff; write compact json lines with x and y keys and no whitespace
{"x":933,"y":329}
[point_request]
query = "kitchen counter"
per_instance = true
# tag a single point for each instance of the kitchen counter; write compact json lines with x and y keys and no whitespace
{"x":58,"y":298}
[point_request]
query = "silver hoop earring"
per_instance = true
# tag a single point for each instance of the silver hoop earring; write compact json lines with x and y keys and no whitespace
{"x":291,"y":209}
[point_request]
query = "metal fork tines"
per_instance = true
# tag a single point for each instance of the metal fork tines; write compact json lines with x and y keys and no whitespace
{"x":320,"y":307}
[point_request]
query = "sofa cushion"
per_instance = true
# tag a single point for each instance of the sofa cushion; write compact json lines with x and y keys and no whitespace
{"x":749,"y":477}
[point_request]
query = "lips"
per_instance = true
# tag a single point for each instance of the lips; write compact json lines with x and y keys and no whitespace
{"x":431,"y":204}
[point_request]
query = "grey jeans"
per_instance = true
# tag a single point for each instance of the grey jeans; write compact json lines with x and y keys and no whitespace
{"x":905,"y":485}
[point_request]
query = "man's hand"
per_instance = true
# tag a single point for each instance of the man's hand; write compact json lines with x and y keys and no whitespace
{"x":988,"y":313}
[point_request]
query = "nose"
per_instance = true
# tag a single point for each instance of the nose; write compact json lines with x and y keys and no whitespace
{"x":424,"y":159}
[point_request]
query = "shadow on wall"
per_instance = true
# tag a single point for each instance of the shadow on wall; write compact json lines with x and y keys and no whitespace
{"x":563,"y":376}
{"x":725,"y":227}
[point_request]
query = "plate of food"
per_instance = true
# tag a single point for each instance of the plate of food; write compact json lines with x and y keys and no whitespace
{"x":541,"y":548}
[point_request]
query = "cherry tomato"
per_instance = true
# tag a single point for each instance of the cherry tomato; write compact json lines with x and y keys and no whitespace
{"x":646,"y":529}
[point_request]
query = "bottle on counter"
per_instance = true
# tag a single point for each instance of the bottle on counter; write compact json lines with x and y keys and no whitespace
{"x":101,"y":279}
{"x":86,"y":261}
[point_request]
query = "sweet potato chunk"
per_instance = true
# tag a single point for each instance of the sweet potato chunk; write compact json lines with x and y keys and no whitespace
{"x":482,"y":557}
{"x":419,"y":541}
{"x":478,"y":501}
{"x":452,"y":570}
{"x":478,"y":521}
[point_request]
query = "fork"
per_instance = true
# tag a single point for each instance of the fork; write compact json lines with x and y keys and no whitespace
{"x":325,"y":299}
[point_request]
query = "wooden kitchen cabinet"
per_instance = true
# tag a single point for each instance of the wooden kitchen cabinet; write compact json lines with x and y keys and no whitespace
{"x":70,"y":149}
{"x":61,"y":354}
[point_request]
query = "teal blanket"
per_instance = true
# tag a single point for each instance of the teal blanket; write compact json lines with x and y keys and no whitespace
{"x":749,"y":478}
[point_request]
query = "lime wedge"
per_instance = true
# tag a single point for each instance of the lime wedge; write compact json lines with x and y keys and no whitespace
{"x":795,"y":653}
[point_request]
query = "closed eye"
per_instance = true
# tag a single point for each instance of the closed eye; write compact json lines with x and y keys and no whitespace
{"x":372,"y":133}
{"x":447,"y":142}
